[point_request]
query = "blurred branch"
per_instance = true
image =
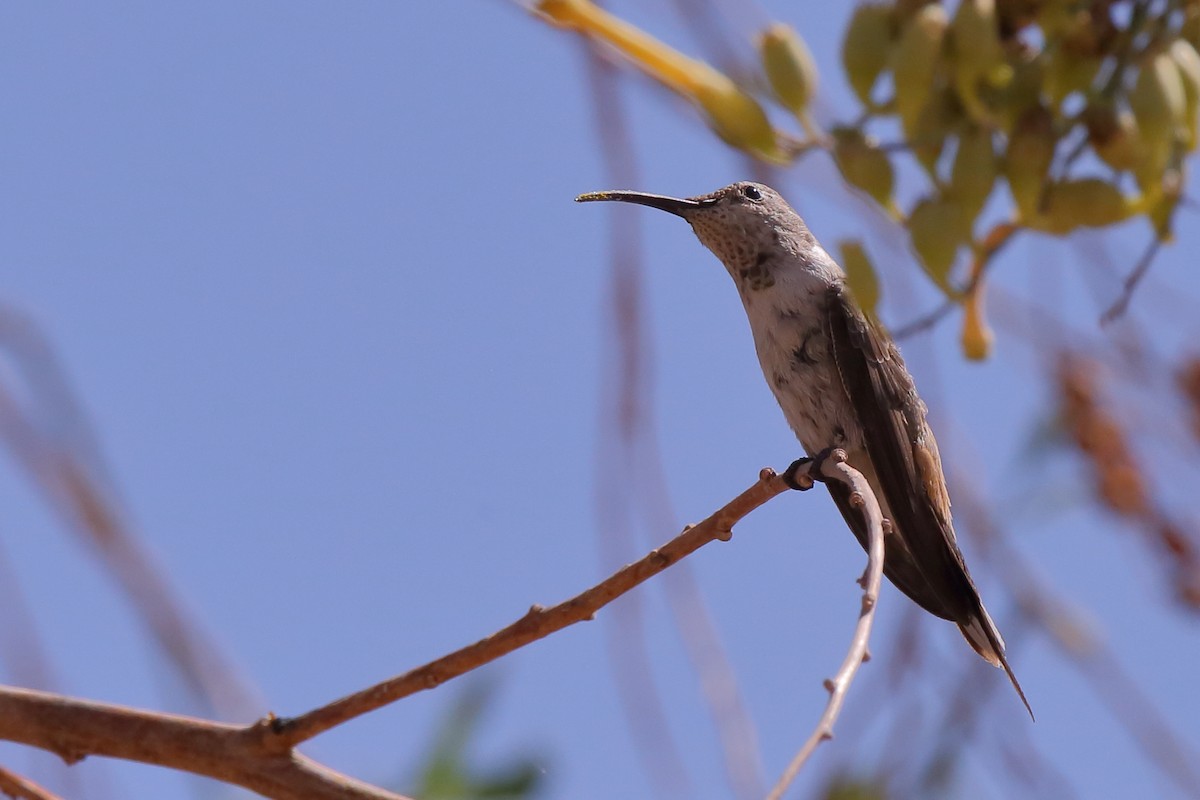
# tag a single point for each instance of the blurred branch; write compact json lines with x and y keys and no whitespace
{"x":21,"y":648}
{"x":50,"y":437}
{"x":627,"y":424}
{"x":836,"y":468}
{"x":991,"y":244}
{"x":1119,"y":306}
{"x":537,"y":623}
{"x":1080,"y":646}
{"x":1123,"y":485}
{"x":623,"y":420}
{"x":75,"y":729}
{"x":261,"y":756}
{"x":20,"y":788}
{"x":1096,"y":662}
{"x":24,"y":656}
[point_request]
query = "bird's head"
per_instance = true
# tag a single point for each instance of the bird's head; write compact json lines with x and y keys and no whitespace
{"x":743,"y":224}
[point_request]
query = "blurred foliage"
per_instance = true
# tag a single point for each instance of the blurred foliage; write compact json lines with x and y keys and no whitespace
{"x":1083,"y":110}
{"x":848,"y":788}
{"x":860,"y":274}
{"x":447,"y":773}
{"x":976,"y":121}
{"x":1121,"y":482}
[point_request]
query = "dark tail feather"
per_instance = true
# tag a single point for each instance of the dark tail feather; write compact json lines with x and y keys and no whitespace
{"x":980,"y":632}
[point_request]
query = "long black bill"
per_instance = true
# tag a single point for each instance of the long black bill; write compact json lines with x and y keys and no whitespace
{"x":672,"y":205}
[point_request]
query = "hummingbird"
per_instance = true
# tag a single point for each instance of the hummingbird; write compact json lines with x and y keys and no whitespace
{"x":841,"y":383}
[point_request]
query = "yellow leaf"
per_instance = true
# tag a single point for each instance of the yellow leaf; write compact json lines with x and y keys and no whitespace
{"x":860,"y":274}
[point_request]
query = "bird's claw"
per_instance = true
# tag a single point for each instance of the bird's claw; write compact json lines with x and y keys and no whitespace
{"x":804,"y":472}
{"x":799,"y":476}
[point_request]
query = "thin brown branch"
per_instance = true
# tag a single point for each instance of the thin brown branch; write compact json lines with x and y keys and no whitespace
{"x":1121,"y":304}
{"x":21,"y":788}
{"x":261,"y":756}
{"x":537,"y":623}
{"x":925,"y":321}
{"x":75,"y":729}
{"x":995,"y":240}
{"x":836,"y":468}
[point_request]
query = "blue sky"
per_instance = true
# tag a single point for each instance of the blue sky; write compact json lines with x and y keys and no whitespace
{"x":315,"y":272}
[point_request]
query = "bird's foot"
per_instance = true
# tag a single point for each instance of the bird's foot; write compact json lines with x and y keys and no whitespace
{"x":803,"y":472}
{"x":799,"y":475}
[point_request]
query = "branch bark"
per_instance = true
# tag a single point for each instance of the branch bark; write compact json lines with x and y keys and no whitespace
{"x":536,"y":624}
{"x":836,"y":468}
{"x":21,"y":788}
{"x":261,"y":756}
{"x":75,"y":729}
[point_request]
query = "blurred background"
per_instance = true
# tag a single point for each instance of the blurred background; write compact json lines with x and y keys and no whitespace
{"x":312,"y":372}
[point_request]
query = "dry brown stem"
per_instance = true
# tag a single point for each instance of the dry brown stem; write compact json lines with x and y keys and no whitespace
{"x":74,"y":729}
{"x":836,"y":468}
{"x":21,"y":788}
{"x":261,"y":756}
{"x":534,"y":625}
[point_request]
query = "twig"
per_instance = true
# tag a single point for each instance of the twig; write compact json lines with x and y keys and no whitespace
{"x":836,"y":468}
{"x":624,"y":419}
{"x":995,"y":240}
{"x":282,"y":734}
{"x":1119,"y":306}
{"x":21,"y":788}
{"x":261,"y":756}
{"x":235,"y":754}
{"x":925,"y":321}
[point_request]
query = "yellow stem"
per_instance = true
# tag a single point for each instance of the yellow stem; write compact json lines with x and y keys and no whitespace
{"x":682,"y":74}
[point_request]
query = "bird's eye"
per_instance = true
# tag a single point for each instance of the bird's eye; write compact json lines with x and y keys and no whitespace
{"x":751,"y":193}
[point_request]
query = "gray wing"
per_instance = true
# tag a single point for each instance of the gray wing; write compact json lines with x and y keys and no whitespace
{"x":925,"y":562}
{"x":923,"y":559}
{"x":898,"y":564}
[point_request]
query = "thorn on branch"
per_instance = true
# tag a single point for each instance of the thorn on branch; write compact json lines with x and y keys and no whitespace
{"x":71,"y":757}
{"x":829,"y":685}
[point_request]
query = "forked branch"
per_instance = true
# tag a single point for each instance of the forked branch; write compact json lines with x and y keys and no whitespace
{"x":261,"y":756}
{"x":284,"y":734}
{"x":836,"y":468}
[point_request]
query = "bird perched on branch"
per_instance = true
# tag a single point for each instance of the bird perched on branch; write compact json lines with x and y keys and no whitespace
{"x":841,"y":383}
